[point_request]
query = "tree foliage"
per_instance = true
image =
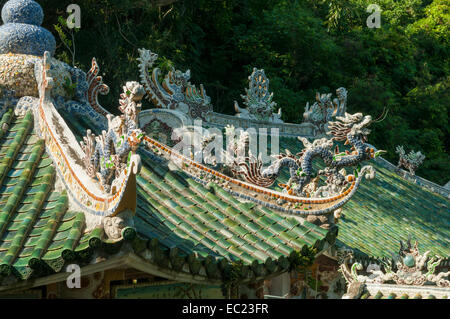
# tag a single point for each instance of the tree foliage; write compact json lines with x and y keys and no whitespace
{"x":304,"y":46}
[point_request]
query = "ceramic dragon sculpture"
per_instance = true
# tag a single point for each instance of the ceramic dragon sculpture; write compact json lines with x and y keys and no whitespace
{"x":175,"y":92}
{"x":410,"y":161}
{"x":258,"y":100}
{"x":351,"y":128}
{"x":108,"y":154}
{"x":325,"y":109}
{"x":412,"y":269}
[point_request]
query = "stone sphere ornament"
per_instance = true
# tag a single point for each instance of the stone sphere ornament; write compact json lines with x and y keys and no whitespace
{"x":22,"y":11}
{"x":409,"y":261}
{"x":21,"y":32}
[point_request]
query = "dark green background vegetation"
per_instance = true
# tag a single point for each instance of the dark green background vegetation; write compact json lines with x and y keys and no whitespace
{"x":304,"y":47}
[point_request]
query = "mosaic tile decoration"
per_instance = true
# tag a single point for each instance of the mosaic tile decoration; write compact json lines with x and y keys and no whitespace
{"x":38,"y":234}
{"x":21,"y":31}
{"x":388,"y":209}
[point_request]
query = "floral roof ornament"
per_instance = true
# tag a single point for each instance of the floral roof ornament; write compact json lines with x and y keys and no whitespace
{"x":258,"y":100}
{"x":325,"y":109}
{"x":410,"y":161}
{"x":175,"y":92}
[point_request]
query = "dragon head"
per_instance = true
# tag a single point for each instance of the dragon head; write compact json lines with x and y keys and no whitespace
{"x":132,"y":91}
{"x":350,"y":125}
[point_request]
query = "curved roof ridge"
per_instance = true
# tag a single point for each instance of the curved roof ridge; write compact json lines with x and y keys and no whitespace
{"x":423,"y":182}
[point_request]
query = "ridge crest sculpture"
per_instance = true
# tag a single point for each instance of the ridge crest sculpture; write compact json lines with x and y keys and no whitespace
{"x":175,"y":92}
{"x":325,"y":109}
{"x":410,"y":161}
{"x":351,"y":128}
{"x":258,"y":100}
{"x":108,"y":155}
{"x":411,"y":268}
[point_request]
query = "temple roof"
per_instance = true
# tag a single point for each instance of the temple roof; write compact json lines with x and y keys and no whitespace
{"x":385,"y":210}
{"x":381,"y":213}
{"x":38,"y":233}
{"x":187,"y":226}
{"x":56,"y":200}
{"x":388,"y":209}
{"x":171,"y":201}
{"x":178,"y":219}
{"x":180,"y":212}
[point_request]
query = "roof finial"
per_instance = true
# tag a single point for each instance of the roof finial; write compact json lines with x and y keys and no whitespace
{"x":22,"y":33}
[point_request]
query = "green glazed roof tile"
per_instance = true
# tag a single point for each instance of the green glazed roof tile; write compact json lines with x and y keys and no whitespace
{"x":216,"y":220}
{"x":30,"y":213}
{"x":172,"y":207}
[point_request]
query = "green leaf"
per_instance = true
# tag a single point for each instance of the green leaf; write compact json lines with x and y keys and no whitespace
{"x":378,"y":153}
